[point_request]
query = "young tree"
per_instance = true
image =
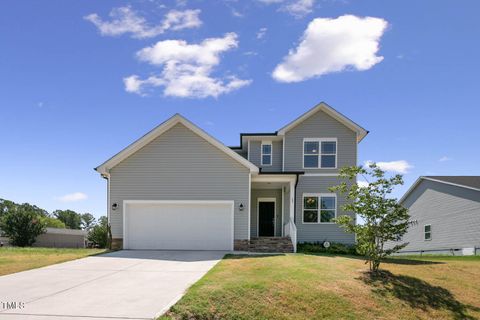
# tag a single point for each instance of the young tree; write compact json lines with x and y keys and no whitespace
{"x":98,"y":234}
{"x":71,"y":219}
{"x":385,"y":220}
{"x":22,"y":226}
{"x":88,"y":221}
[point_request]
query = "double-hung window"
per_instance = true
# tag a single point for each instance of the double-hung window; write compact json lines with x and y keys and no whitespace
{"x":266,"y":153}
{"x":320,"y":153}
{"x":427,"y":232}
{"x":319,"y":208}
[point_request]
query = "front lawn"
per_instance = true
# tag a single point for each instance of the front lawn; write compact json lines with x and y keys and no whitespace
{"x":21,"y":259}
{"x":299,"y":286}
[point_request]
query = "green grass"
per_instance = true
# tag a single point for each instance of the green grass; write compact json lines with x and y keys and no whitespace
{"x":322,"y":286}
{"x":13,"y":259}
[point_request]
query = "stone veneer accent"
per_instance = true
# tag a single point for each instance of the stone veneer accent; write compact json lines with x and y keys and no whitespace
{"x":241,"y":245}
{"x":117,"y":244}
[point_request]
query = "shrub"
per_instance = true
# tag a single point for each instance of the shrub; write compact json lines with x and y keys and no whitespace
{"x":335,"y":248}
{"x":22,"y":226}
{"x":98,"y":234}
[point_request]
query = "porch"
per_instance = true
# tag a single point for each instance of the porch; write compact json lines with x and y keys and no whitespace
{"x":272,"y":227}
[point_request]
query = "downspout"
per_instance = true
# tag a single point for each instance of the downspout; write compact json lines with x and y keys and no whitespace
{"x":295,"y":198}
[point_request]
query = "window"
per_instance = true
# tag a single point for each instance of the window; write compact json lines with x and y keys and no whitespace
{"x":319,"y":208}
{"x":320,"y":153}
{"x":427,"y":232}
{"x":266,"y":154}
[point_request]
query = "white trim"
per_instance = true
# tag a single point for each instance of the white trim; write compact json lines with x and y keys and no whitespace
{"x":266,"y":143}
{"x":274,"y":200}
{"x":319,"y":196}
{"x":417,"y":182}
{"x":108,"y":203}
{"x":249,"y":205}
{"x":292,"y":201}
{"x":424,"y":232}
{"x":126,"y":202}
{"x":162,"y":128}
{"x":322,"y":106}
{"x":319,"y":155}
{"x":321,"y":174}
{"x":283,"y":210}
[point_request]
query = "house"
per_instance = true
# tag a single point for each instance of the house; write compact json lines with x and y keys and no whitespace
{"x":56,"y":238}
{"x":177,"y":187}
{"x":445,"y":215}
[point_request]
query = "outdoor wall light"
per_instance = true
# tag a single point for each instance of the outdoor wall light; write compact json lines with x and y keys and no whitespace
{"x":241,"y":207}
{"x":114,"y":206}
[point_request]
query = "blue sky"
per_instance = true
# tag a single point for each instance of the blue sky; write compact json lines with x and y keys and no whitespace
{"x":408,"y":73}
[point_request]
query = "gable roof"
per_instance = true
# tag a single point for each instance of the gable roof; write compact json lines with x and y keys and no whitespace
{"x":322,"y":106}
{"x":467,"y":182}
{"x":159,"y":130}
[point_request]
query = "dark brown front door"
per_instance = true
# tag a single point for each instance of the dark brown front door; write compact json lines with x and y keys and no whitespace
{"x":266,"y":218}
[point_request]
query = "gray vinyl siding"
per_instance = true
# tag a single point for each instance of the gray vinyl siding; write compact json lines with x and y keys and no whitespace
{"x":266,"y":193}
{"x":180,"y":165}
{"x":277,"y":154}
{"x":320,"y":125}
{"x":320,"y":232}
{"x":453,"y":212}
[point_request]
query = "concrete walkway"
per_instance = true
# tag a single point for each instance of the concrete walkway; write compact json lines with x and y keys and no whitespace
{"x":119,"y":285}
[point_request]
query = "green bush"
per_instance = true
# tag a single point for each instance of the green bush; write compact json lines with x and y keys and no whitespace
{"x":335,"y":248}
{"x":22,"y":226}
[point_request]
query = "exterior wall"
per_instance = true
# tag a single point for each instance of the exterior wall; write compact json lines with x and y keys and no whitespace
{"x":453,"y":212}
{"x":320,"y":125}
{"x":277,"y":154}
{"x":320,"y":232}
{"x":241,"y":152}
{"x":266,"y":193}
{"x":180,"y":165}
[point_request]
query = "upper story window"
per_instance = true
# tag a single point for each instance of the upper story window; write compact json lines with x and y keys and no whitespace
{"x":427,"y":232}
{"x":319,"y":208}
{"x":320,"y":153}
{"x":266,"y":153}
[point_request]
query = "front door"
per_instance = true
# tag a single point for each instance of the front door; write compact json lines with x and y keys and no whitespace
{"x":266,"y":218}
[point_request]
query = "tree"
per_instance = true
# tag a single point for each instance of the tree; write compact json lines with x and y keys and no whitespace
{"x":52,"y":222}
{"x":98,"y":234}
{"x":385,"y":220}
{"x":88,"y":221}
{"x":22,"y":226}
{"x":71,"y":219}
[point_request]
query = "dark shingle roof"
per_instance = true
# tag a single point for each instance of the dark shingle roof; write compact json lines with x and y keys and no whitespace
{"x":467,"y":181}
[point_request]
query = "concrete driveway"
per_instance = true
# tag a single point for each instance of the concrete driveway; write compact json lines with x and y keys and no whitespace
{"x":119,"y":285}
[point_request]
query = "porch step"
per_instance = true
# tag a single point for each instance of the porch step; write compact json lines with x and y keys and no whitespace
{"x":270,"y":244}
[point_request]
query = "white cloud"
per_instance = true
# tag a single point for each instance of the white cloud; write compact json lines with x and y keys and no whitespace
{"x":399,"y":166}
{"x":187,"y":68}
{"x":125,"y":20}
{"x":363,"y":184}
{"x":261,"y":33}
{"x":444,"y":158}
{"x":333,"y":45}
{"x":73,"y":197}
{"x":299,"y":8}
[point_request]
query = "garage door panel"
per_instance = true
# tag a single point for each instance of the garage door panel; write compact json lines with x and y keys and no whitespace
{"x":179,"y":226}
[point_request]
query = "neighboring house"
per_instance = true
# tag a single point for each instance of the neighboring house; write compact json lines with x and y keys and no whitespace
{"x":445,"y":215}
{"x":57,"y":238}
{"x":177,"y":187}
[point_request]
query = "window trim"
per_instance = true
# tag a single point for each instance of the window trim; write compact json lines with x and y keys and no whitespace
{"x":319,"y":155}
{"x":319,"y":210}
{"x":266,"y":143}
{"x":425,"y":232}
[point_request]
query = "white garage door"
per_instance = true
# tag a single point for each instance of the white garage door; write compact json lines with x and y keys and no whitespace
{"x":178,"y":225}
